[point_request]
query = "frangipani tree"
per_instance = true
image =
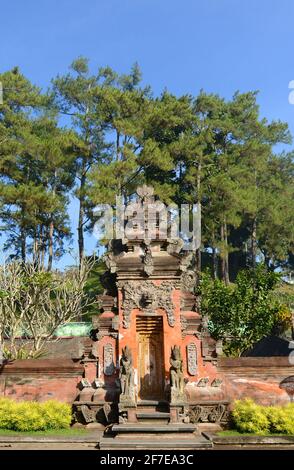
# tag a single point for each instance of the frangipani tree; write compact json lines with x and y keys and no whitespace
{"x":34,"y":303}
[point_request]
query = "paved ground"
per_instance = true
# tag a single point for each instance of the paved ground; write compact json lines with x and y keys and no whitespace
{"x":47,"y":446}
{"x":90,"y":440}
{"x":91,"y":446}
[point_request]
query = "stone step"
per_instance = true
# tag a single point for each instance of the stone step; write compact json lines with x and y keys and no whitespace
{"x":153,"y":415}
{"x":153,"y":428}
{"x":154,"y":436}
{"x":153,"y":405}
{"x":145,"y":406}
{"x":152,"y":402}
{"x":145,"y":444}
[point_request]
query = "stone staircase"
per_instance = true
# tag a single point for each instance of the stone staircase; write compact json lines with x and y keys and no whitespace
{"x":153,"y":429}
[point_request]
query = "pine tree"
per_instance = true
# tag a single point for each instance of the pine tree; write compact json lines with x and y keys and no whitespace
{"x":19,"y":196}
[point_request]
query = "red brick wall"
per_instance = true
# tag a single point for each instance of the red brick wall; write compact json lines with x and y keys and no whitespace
{"x":258,"y":378}
{"x":41,"y":380}
{"x":246,"y":377}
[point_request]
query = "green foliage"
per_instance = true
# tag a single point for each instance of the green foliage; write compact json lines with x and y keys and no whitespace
{"x":283,"y":321}
{"x":241,"y":313}
{"x":205,"y":149}
{"x":248,"y":417}
{"x":285,"y":295}
{"x":93,"y":287}
{"x":36,"y":172}
{"x":57,"y":415}
{"x":34,"y":416}
{"x":281,"y":419}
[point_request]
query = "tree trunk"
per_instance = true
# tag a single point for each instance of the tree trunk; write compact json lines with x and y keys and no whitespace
{"x":117,"y":145}
{"x":41,"y":248}
{"x":35,"y":247}
{"x":81,"y":219}
{"x":50,"y":246}
{"x":214,"y":262}
{"x":224,"y":255}
{"x":51,"y":229}
{"x":253,"y":250}
{"x":23,"y":245}
{"x":198,"y":185}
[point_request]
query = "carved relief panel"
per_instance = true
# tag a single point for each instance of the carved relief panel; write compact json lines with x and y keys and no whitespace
{"x":108,"y":359}
{"x":192,"y":359}
{"x":148,"y":297}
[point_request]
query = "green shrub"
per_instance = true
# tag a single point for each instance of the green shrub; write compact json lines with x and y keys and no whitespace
{"x":34,"y":416}
{"x":248,"y":417}
{"x":57,"y":415}
{"x":244,"y":312}
{"x":281,"y":419}
{"x":7,"y":413}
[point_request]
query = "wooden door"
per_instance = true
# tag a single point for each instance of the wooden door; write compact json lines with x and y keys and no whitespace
{"x":150,"y":357}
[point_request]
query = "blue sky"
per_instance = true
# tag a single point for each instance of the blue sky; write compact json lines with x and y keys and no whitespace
{"x":218,"y":45}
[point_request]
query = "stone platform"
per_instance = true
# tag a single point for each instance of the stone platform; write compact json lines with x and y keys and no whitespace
{"x":153,"y":428}
{"x":156,"y":442}
{"x":152,"y":436}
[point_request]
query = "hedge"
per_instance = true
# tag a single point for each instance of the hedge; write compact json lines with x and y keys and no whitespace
{"x":34,"y":416}
{"x":248,"y":417}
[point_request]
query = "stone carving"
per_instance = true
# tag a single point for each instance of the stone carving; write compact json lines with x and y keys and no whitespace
{"x":148,"y":297}
{"x":123,"y":417}
{"x":176,"y":375}
{"x":126,"y":375}
{"x":95,"y":413}
{"x":192,"y":359}
{"x":98,"y":383}
{"x":188,"y":280}
{"x":216,"y":383}
{"x":203,"y":382}
{"x":184,"y":322}
{"x":110,"y":261}
{"x":88,"y":414}
{"x":148,"y":261}
{"x":186,"y":259}
{"x":107,"y":412}
{"x":216,"y":413}
{"x":211,"y":413}
{"x":174,"y":245}
{"x":116,"y":250}
{"x":183,"y":414}
{"x":85,"y":383}
{"x":109,"y":367}
{"x":196,"y":412}
{"x":106,"y":303}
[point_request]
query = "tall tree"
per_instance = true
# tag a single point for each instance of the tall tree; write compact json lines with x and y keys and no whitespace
{"x":57,"y":173}
{"x":75,"y":95}
{"x":18,"y":194}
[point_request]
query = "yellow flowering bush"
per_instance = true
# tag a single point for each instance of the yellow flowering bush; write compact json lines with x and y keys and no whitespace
{"x":34,"y":416}
{"x":249,"y":417}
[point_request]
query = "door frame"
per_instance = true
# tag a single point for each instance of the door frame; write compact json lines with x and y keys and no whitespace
{"x":160,"y":376}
